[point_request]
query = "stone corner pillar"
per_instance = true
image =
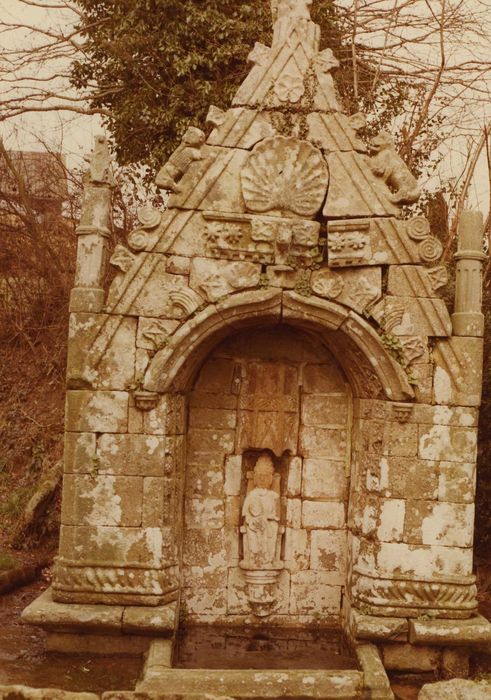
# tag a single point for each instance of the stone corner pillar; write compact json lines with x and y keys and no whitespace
{"x":468,"y":319}
{"x":93,"y":232}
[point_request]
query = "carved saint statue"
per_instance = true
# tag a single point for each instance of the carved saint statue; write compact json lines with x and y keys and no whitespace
{"x":291,"y":8}
{"x":261,"y":512}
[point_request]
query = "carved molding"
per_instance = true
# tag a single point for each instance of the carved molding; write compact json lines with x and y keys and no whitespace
{"x":71,"y":577}
{"x":268,"y":239}
{"x":408,"y":595}
{"x":253,"y":308}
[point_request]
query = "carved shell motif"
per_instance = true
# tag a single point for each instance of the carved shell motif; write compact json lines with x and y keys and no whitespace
{"x":286,"y":174}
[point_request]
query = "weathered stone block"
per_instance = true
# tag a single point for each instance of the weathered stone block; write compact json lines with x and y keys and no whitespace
{"x":323,"y":442}
{"x":448,"y":443}
{"x":96,"y":411}
{"x":232,"y":512}
{"x":450,"y":524}
{"x":314,"y":593}
{"x":203,"y":442}
{"x":406,"y":657}
{"x":456,"y":689}
{"x":216,"y":377}
{"x":204,"y":549}
{"x":418,"y":560}
{"x":357,"y":195}
{"x":401,"y":477}
{"x":415,"y":316}
{"x":233,"y":475}
{"x":141,"y":455}
{"x":115,"y":367}
{"x":323,"y":379}
{"x":121,"y":545}
{"x":457,"y":482}
{"x":324,"y":410}
{"x":463,"y":416}
{"x":213,"y":418}
{"x":400,"y":440}
{"x":294,"y":480}
{"x":214,"y":279}
{"x":204,"y":480}
{"x":324,"y":478}
{"x":384,"y":518}
{"x":212,"y":183}
{"x":297,"y":550}
{"x":458,"y":371}
{"x":356,"y":288}
{"x":153,"y":332}
{"x":294,"y":513}
{"x":474,"y":631}
{"x":204,"y":513}
{"x":80,"y":453}
{"x":102,"y":500}
{"x":415,"y":280}
{"x":206,"y":595}
{"x":323,"y":514}
{"x":328,"y":553}
{"x":168,"y":417}
{"x":153,"y":501}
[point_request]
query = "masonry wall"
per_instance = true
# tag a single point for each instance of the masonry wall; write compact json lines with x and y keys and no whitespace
{"x":314,"y":479}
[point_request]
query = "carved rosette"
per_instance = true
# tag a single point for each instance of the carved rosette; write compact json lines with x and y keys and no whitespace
{"x":285,"y":174}
{"x":411,"y":598}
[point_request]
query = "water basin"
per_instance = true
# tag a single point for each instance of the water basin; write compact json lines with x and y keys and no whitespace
{"x":272,"y":648}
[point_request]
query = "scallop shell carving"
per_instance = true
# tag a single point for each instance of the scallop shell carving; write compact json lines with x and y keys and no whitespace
{"x":286,"y":174}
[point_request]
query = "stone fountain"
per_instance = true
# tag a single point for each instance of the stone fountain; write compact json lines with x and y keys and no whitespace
{"x":271,"y":417}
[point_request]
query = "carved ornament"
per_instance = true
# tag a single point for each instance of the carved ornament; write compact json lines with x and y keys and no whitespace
{"x":348,"y":243}
{"x":402,"y":411}
{"x":146,"y":400}
{"x":387,"y":164}
{"x":430,"y":249}
{"x":122,"y":258}
{"x":260,"y":239}
{"x":186,"y":153}
{"x":285,"y":174}
{"x":413,"y":347}
{"x":100,"y":171}
{"x":408,"y":598}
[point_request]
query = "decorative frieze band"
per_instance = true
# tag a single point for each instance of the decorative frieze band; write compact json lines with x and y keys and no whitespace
{"x":71,"y":579}
{"x":410,"y":598}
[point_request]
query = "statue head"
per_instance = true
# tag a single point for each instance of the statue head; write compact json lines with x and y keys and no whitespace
{"x":264,"y":471}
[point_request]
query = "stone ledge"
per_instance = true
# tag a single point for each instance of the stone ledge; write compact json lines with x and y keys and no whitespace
{"x":474,"y":631}
{"x":371,"y":627}
{"x":343,"y":685}
{"x":115,"y":619}
{"x":375,"y":677}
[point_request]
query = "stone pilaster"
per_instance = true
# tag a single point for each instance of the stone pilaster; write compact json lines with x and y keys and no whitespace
{"x":468,"y":319}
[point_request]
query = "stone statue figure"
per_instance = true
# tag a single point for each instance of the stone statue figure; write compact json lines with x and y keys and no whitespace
{"x":290,"y":8}
{"x":186,"y":153}
{"x":261,"y":512}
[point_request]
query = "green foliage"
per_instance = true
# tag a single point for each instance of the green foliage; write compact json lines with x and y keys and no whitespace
{"x":7,"y":561}
{"x":157,"y":65}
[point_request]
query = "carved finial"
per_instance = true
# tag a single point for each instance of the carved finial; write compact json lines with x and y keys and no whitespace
{"x":100,"y":171}
{"x":294,"y":9}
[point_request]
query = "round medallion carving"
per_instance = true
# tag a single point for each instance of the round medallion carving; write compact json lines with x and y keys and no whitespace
{"x":418,"y":228}
{"x":430,"y":250}
{"x":286,"y":174}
